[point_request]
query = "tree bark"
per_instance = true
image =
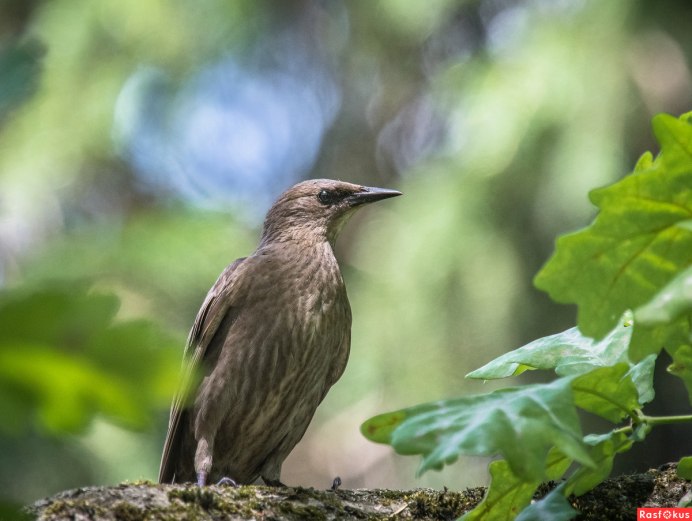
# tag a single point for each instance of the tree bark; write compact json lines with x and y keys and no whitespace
{"x":614,"y":499}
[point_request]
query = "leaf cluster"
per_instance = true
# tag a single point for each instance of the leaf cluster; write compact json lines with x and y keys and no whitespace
{"x":64,"y":358}
{"x":630,"y":275}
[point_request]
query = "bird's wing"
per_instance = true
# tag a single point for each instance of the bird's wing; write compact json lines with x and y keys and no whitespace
{"x":339,"y":363}
{"x":215,"y":307}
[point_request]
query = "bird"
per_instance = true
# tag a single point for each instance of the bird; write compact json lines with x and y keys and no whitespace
{"x":271,"y":337}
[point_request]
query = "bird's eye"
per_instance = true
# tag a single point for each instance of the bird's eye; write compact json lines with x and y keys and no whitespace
{"x":326,"y":197}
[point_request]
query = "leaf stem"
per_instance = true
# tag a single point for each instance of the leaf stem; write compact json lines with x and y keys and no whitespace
{"x":660,"y":420}
{"x":627,"y":429}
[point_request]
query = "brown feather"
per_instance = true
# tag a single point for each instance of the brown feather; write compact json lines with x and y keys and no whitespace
{"x":272,"y":336}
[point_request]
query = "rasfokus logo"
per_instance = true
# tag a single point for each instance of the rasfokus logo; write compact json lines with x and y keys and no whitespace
{"x":664,"y":513}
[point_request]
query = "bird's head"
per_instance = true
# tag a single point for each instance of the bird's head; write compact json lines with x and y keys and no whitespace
{"x":317,"y":209}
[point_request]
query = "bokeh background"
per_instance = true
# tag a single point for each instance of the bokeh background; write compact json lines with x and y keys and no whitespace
{"x":142,"y":142}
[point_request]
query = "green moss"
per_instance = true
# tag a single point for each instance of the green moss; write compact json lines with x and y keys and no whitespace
{"x":138,"y":483}
{"x":67,"y":508}
{"x":244,"y":492}
{"x":301,"y":511}
{"x":389,"y":495}
{"x":124,"y":511}
{"x":430,"y":504}
{"x":242,"y":501}
{"x":203,"y":497}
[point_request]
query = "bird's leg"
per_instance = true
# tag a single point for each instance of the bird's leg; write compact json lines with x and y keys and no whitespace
{"x":226,"y":481}
{"x":273,"y":482}
{"x":203,"y":459}
{"x":336,"y":483}
{"x":271,"y":474}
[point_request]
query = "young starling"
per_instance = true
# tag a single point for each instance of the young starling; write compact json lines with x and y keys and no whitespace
{"x":272,"y":336}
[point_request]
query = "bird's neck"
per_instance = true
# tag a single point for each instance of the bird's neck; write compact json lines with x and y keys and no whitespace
{"x":296,"y":244}
{"x":300,"y":238}
{"x":304,"y":260}
{"x":305,"y":232}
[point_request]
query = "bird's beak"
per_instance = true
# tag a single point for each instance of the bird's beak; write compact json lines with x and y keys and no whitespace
{"x":370,"y":194}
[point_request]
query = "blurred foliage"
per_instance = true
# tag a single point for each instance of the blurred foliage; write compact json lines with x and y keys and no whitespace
{"x":62,"y":359}
{"x":20,"y":66}
{"x":147,"y":258}
{"x":493,"y":117}
{"x":625,"y":260}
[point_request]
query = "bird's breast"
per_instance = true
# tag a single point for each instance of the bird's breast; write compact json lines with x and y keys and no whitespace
{"x":286,"y":347}
{"x":302,"y":299}
{"x":321,"y":304}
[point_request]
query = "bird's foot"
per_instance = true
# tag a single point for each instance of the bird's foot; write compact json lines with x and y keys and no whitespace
{"x":336,"y":483}
{"x":201,"y":478}
{"x":273,"y":482}
{"x":227,"y":482}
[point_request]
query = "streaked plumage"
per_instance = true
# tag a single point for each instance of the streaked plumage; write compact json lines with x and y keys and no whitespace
{"x":270,"y":339}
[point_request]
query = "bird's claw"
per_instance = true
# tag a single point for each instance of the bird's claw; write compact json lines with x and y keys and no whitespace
{"x":201,"y":478}
{"x":273,"y":483}
{"x":227,"y":482}
{"x":336,"y":483}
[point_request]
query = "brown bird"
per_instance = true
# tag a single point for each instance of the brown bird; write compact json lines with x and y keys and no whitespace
{"x":272,"y":336}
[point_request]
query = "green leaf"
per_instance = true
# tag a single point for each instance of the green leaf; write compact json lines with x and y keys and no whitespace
{"x":63,"y":314}
{"x":380,"y":428}
{"x":553,"y":506}
{"x":603,"y":450}
{"x":642,"y":374}
{"x":641,"y":431}
{"x":63,"y":359}
{"x":675,"y":137}
{"x":508,"y":494}
{"x":684,"y":469}
{"x":682,"y":367}
{"x":638,"y":242}
{"x":568,"y":352}
{"x":520,"y":423}
{"x":645,"y":162}
{"x":607,"y":391}
{"x":63,"y":390}
{"x":686,"y":500}
{"x":648,"y":340}
{"x":669,"y":304}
